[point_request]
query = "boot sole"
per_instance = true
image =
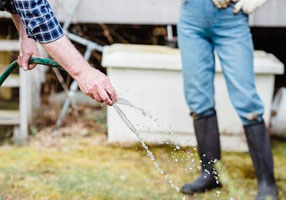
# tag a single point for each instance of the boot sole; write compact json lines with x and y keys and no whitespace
{"x":202,"y":190}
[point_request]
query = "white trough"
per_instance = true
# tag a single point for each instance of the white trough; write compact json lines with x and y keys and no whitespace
{"x":151,"y":78}
{"x":278,"y":120}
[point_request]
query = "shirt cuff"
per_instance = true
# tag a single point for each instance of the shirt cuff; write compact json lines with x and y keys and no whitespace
{"x":40,"y":21}
{"x":44,"y":29}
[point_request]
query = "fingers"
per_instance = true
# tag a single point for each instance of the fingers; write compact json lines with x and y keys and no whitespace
{"x":112,"y":94}
{"x":221,"y":3}
{"x":247,"y":6}
{"x":31,"y":66}
{"x":104,"y":96}
{"x":248,"y":9}
{"x":108,"y":96}
{"x":217,"y":3}
{"x":238,"y":6}
{"x":97,"y":98}
{"x":226,"y":3}
{"x":97,"y":86}
{"x":23,"y":61}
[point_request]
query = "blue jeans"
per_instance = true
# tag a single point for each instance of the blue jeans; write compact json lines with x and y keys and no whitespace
{"x":203,"y":28}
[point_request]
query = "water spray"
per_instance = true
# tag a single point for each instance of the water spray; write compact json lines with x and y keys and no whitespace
{"x":51,"y":63}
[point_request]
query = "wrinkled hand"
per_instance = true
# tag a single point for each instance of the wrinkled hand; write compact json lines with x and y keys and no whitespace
{"x":97,"y":86}
{"x":247,"y":6}
{"x":29,"y":48}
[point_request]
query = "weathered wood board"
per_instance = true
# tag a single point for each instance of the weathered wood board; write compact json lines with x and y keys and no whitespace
{"x":152,"y":12}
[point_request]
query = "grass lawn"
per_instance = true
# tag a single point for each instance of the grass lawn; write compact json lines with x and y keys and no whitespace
{"x":87,"y":168}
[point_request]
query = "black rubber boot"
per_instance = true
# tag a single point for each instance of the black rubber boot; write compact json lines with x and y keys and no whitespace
{"x":207,"y":135}
{"x":261,"y":155}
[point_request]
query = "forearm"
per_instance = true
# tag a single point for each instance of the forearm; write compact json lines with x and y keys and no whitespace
{"x":36,"y":20}
{"x":91,"y":81}
{"x":64,"y":52}
{"x":19,"y":25}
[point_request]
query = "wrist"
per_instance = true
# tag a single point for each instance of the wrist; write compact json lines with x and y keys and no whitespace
{"x":78,"y":71}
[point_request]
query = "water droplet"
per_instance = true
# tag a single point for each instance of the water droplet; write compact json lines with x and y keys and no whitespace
{"x":134,"y":130}
{"x":217,"y":193}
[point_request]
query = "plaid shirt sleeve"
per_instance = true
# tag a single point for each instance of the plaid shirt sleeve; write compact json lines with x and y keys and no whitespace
{"x":40,"y":21}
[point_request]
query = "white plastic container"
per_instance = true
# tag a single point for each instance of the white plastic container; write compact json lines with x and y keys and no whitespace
{"x":151,"y":78}
{"x":278,"y":120}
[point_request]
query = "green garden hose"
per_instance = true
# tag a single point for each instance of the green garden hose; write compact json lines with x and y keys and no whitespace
{"x":40,"y":61}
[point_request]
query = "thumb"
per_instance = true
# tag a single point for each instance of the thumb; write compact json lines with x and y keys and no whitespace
{"x":238,"y":6}
{"x":23,"y":61}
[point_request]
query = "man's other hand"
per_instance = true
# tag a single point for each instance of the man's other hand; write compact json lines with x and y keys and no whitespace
{"x":29,"y":49}
{"x":96,"y":85}
{"x":247,"y":6}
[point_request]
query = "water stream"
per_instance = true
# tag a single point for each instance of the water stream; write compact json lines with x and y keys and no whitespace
{"x":150,"y":154}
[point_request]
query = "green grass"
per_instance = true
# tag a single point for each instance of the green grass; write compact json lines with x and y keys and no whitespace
{"x":87,"y":168}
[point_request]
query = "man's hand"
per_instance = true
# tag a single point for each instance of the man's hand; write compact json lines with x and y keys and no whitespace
{"x":29,"y":49}
{"x":96,"y":85}
{"x":91,"y":81}
{"x":247,"y":6}
{"x":222,"y":3}
{"x":28,"y":46}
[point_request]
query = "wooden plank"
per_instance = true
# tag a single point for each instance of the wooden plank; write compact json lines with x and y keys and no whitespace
{"x":5,"y":15}
{"x":9,"y":45}
{"x":25,"y":105}
{"x":12,"y":81}
{"x":153,"y":12}
{"x":9,"y":117}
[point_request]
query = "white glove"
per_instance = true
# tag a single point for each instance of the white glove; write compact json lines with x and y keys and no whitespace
{"x":247,"y":6}
{"x":222,"y":3}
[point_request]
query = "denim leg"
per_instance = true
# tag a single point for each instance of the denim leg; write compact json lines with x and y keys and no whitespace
{"x":233,"y":43}
{"x":198,"y":63}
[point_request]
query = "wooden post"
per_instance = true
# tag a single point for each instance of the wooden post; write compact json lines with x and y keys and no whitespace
{"x":20,"y":137}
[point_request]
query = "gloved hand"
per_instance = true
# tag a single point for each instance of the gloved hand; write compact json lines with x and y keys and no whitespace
{"x":247,"y":6}
{"x":222,"y":3}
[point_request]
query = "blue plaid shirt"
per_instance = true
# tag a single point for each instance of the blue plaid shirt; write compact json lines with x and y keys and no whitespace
{"x":39,"y":19}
